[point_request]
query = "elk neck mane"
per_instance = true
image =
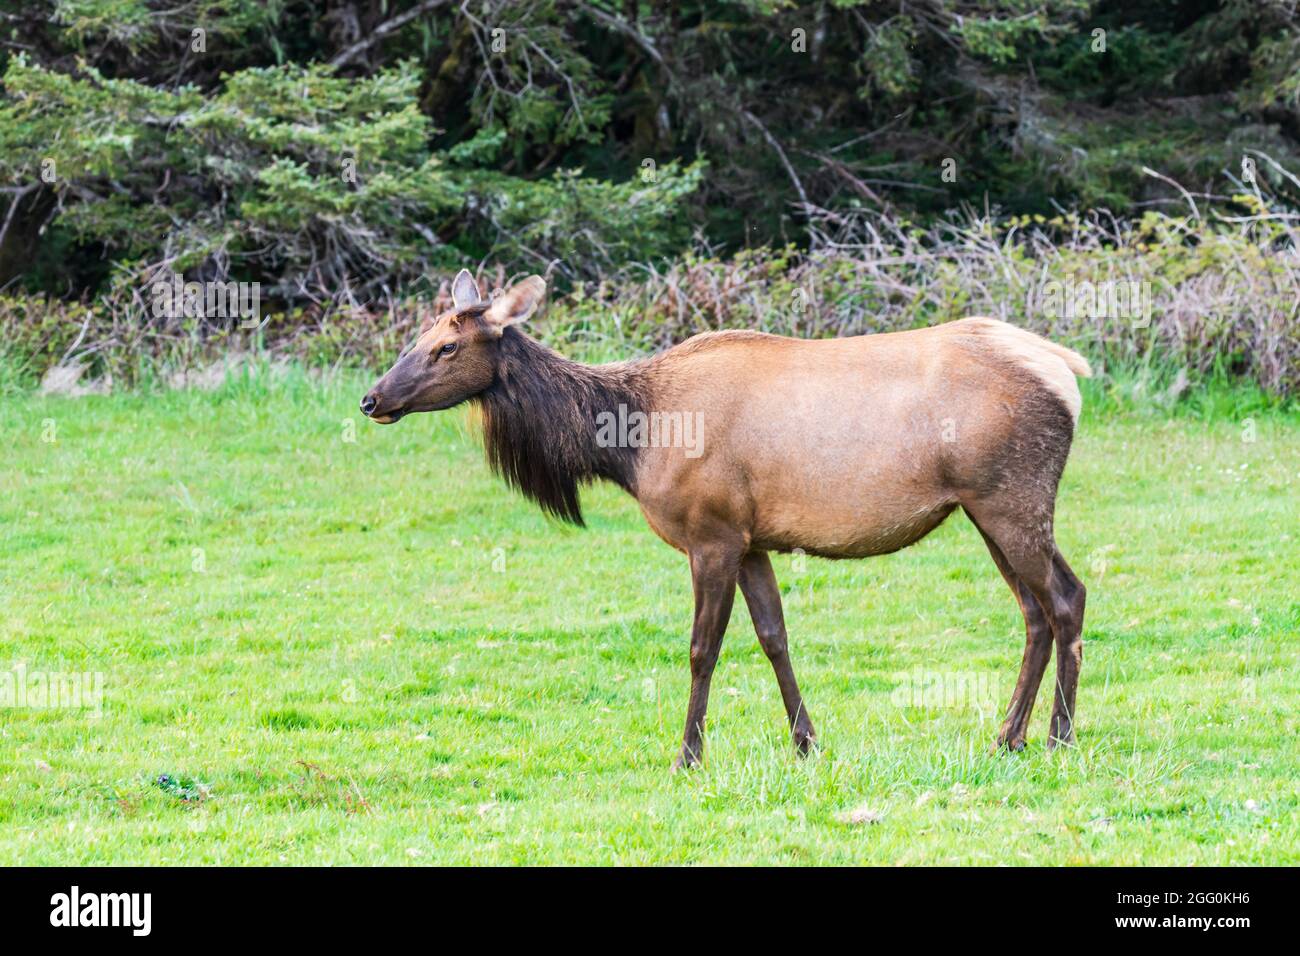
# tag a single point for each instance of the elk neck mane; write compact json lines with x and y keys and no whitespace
{"x":539,"y":423}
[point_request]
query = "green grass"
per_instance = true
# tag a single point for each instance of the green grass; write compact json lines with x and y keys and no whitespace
{"x":317,"y":650}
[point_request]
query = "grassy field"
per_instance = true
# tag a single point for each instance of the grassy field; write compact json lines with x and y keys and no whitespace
{"x":327,"y":642}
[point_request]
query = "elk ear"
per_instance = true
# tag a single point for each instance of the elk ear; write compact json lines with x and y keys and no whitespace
{"x":515,"y":304}
{"x":464,"y":290}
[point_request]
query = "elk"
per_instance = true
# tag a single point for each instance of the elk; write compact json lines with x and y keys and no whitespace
{"x":840,"y":448}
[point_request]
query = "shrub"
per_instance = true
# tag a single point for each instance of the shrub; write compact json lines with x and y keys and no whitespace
{"x":1221,"y":297}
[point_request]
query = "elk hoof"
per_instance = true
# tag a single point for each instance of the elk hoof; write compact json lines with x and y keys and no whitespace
{"x":805,"y":741}
{"x":1014,"y":744}
{"x":686,"y":760}
{"x":1062,"y":734}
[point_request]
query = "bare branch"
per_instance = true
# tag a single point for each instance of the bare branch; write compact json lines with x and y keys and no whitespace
{"x":785,"y":160}
{"x":622,"y":26}
{"x":19,"y":196}
{"x":384,"y":29}
{"x":1148,"y":171}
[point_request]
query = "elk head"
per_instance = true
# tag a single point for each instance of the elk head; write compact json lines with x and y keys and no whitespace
{"x":455,"y":357}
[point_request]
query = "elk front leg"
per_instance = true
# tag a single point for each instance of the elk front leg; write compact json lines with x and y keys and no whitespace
{"x":763,"y":595}
{"x":713,"y":575}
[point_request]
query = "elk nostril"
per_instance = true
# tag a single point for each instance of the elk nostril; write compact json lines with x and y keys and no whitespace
{"x":368,"y":404}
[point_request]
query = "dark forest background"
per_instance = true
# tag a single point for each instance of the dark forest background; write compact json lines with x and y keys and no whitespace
{"x":356,"y":151}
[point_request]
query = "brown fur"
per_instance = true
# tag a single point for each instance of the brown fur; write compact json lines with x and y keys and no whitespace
{"x":841,"y":448}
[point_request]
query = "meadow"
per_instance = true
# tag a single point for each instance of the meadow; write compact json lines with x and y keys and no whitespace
{"x":327,"y":642}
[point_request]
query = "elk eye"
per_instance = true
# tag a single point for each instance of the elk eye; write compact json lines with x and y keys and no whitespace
{"x":447,"y":349}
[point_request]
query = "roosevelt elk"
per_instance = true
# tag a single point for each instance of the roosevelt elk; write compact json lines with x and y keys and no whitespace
{"x":842,"y":448}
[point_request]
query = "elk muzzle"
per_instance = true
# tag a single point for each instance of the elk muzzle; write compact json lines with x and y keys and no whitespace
{"x":372,"y":408}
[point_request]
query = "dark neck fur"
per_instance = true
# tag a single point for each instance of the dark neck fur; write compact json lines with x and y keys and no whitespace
{"x":539,"y":423}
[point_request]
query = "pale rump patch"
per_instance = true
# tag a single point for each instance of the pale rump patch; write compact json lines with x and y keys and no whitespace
{"x":1053,"y":365}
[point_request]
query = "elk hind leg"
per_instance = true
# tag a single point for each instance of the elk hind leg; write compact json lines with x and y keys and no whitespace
{"x":1024,"y":538}
{"x":1038,"y":649}
{"x":1070,"y":597}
